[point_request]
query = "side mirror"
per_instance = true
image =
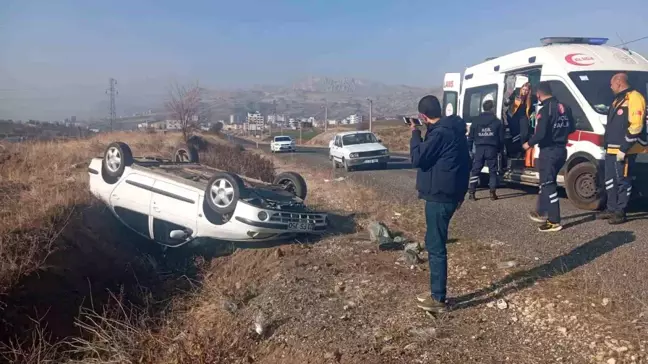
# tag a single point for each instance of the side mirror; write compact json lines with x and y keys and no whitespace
{"x":178,"y":235}
{"x":379,"y":140}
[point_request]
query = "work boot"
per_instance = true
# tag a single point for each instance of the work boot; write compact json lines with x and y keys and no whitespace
{"x":471,"y":196}
{"x":537,"y":217}
{"x":618,"y":218}
{"x":605,"y":215}
{"x":432,"y":305}
{"x":550,"y":227}
{"x":493,"y":195}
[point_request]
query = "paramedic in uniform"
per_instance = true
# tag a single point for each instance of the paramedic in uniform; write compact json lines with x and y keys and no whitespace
{"x":625,"y":136}
{"x":487,"y":134}
{"x":554,"y":122}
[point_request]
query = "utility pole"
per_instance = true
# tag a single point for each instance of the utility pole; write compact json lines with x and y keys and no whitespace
{"x":370,"y":112}
{"x":112,"y":92}
{"x":325,"y":115}
{"x":274,"y":106}
{"x":300,"y":132}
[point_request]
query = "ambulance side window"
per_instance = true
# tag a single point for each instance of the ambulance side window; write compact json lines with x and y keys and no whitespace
{"x":562,"y":93}
{"x":473,"y":99}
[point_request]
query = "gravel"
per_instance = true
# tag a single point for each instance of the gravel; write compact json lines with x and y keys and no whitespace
{"x":617,"y":250}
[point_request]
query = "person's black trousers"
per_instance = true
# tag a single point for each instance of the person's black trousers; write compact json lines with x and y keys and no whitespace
{"x":618,"y":182}
{"x":484,"y":154}
{"x":550,"y":161}
{"x":437,"y":217}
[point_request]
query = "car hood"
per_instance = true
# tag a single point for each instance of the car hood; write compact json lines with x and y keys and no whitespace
{"x":283,"y":142}
{"x":367,"y":147}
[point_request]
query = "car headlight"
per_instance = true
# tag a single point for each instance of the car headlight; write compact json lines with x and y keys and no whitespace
{"x":353,"y":155}
{"x":262,"y":215}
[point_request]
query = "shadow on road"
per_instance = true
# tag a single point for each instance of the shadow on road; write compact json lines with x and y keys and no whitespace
{"x":558,"y":266}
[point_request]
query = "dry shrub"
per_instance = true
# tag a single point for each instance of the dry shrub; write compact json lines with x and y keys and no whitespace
{"x":233,"y":159}
{"x":395,"y":138}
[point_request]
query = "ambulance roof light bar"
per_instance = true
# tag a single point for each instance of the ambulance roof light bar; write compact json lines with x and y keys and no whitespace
{"x":573,"y":40}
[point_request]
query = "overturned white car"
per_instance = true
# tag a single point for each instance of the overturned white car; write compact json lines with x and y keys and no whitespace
{"x":177,"y":201}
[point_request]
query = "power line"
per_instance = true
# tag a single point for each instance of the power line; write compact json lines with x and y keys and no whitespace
{"x":632,"y":41}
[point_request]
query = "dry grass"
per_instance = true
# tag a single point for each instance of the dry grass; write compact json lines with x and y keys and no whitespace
{"x":41,"y":184}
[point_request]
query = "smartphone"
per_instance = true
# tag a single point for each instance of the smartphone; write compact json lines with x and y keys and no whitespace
{"x":409,"y":121}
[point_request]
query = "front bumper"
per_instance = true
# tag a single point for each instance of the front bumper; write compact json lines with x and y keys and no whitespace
{"x":283,"y":147}
{"x":367,"y":161}
{"x":251,"y":223}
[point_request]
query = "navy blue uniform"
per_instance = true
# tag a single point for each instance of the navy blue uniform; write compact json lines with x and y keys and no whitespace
{"x":554,"y":123}
{"x":487,"y":134}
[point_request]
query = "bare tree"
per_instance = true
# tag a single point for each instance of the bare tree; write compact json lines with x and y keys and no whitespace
{"x":184,"y":105}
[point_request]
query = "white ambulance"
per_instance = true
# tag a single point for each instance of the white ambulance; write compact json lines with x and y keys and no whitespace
{"x":579,"y":72}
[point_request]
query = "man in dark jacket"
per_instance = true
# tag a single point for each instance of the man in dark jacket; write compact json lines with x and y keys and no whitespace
{"x":487,"y":133}
{"x":443,"y":165}
{"x":554,"y":123}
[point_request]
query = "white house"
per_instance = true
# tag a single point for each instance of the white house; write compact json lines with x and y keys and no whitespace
{"x":255,"y":118}
{"x":173,"y":125}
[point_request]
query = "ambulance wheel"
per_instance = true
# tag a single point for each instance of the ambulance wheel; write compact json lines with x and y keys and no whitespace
{"x":582,"y":187}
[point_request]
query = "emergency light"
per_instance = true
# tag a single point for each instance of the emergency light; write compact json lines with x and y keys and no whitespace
{"x":573,"y":40}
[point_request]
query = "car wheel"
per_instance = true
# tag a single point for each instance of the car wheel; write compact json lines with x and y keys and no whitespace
{"x":292,"y":182}
{"x":186,"y":153}
{"x":223,"y":192}
{"x":116,"y":158}
{"x":582,"y":187}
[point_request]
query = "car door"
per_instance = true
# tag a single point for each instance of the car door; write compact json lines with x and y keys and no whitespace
{"x":451,"y":89}
{"x":335,"y":149}
{"x":173,"y":207}
{"x":131,"y":201}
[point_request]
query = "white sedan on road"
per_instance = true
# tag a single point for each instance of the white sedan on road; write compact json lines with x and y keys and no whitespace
{"x":358,"y":148}
{"x":282,"y":143}
{"x":177,"y":201}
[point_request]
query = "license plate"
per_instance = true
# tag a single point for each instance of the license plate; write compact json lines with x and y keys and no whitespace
{"x":304,"y":226}
{"x":371,"y":161}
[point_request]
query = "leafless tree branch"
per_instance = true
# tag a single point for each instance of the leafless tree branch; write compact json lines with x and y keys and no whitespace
{"x":184,"y":105}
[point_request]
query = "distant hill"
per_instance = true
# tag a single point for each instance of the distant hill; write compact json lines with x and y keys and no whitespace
{"x":307,"y":98}
{"x":304,"y":98}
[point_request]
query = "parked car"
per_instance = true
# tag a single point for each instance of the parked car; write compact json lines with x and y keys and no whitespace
{"x":282,"y":143}
{"x":357,"y":148}
{"x":177,"y":201}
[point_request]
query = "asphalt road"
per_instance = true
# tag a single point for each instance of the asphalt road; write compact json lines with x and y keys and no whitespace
{"x":620,"y":251}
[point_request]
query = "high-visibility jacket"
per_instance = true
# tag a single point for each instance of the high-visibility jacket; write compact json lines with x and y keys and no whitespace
{"x":626,"y":129}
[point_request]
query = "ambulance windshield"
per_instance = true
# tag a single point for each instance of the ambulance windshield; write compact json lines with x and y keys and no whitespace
{"x":595,"y":86}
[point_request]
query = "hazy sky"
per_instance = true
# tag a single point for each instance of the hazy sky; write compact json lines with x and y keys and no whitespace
{"x":56,"y":55}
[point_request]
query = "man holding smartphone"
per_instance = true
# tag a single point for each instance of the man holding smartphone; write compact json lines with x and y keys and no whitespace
{"x":443,"y":164}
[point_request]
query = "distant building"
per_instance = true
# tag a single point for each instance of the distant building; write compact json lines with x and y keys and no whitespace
{"x":231,"y":119}
{"x":332,"y":121}
{"x":173,"y":124}
{"x":354,"y":119}
{"x":73,"y":119}
{"x":255,"y":118}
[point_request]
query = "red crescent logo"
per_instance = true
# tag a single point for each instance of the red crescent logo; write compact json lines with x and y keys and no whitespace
{"x":620,"y":112}
{"x":579,"y":59}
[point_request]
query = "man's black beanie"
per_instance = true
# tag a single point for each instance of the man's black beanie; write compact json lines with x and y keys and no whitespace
{"x":430,"y":107}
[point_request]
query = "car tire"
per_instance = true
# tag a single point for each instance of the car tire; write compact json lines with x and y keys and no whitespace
{"x":223,"y":192}
{"x":186,"y":153}
{"x":292,"y":182}
{"x":117,"y":157}
{"x":582,"y":187}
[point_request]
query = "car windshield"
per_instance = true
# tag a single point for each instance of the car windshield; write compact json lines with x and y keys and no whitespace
{"x":359,"y":138}
{"x":595,"y":86}
{"x":282,"y":139}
